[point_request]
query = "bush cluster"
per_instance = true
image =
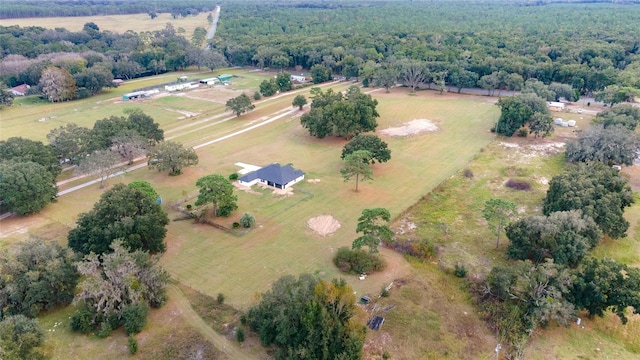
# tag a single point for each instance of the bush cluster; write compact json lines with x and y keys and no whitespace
{"x":357,"y":261}
{"x":518,"y":184}
{"x":419,"y":249}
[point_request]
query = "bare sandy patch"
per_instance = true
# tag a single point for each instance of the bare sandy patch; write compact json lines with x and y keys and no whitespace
{"x":523,"y":153}
{"x":413,"y":127}
{"x":324,"y":225}
{"x":313,"y":181}
{"x":246,"y":189}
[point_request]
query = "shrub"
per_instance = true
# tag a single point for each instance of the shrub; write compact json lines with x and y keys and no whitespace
{"x":105,"y":330}
{"x":81,"y":320}
{"x":384,"y":292}
{"x":220,"y":298}
{"x":523,"y":132}
{"x":257,"y":96}
{"x":189,"y":206}
{"x":225,"y":211}
{"x":133,"y":345}
{"x":468,"y":173}
{"x":518,"y":184}
{"x":460,"y":271}
{"x":135,"y":317}
{"x":235,"y":225}
{"x":247,"y":220}
{"x":243,"y":319}
{"x":357,"y":261}
{"x":419,"y":249}
{"x":240,"y":334}
{"x":234,"y":176}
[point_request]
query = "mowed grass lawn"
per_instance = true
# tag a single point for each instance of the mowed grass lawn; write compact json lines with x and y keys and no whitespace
{"x":117,"y":23}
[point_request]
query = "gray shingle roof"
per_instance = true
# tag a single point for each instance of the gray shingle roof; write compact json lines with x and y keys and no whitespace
{"x":274,"y":173}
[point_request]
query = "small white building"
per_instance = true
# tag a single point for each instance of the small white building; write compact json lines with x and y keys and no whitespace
{"x":181,"y":86}
{"x":299,"y":78}
{"x":209,"y":81}
{"x":274,"y":175}
{"x":555,"y":106}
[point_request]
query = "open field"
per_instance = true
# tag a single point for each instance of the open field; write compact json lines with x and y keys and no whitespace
{"x":117,"y":23}
{"x":432,"y":307}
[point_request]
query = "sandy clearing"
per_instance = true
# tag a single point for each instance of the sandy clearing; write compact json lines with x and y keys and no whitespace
{"x":411,"y":128}
{"x":324,"y":225}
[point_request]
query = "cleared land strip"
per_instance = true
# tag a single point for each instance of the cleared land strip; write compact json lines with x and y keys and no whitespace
{"x":219,"y":341}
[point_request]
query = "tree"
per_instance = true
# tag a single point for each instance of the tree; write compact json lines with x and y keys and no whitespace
{"x":129,"y":145}
{"x":564,"y":236}
{"x":596,"y":189}
{"x":308,"y":316}
{"x":217,"y":190}
{"x":340,"y":115}
{"x":171,"y":156}
{"x":70,"y":142}
{"x":413,"y":73}
{"x":387,"y":76}
{"x":614,"y":94}
{"x":240,"y":104}
{"x":535,"y":86}
{"x":213,"y":60}
{"x":145,"y":188}
{"x":283,"y":80}
{"x":268,"y":87}
{"x":564,"y":91}
{"x":57,"y":84}
{"x":34,"y":276}
{"x":626,"y":115}
{"x":299,"y":101}
{"x":611,"y":145}
{"x":374,"y":226}
{"x":463,"y":79}
{"x":22,"y":150}
{"x":6,"y":96}
{"x":93,"y":80}
{"x":21,"y":338}
{"x":350,"y":66}
{"x":357,"y":164}
{"x":598,"y":285}
{"x":490,"y":82}
{"x":118,"y":287}
{"x":541,"y":124}
{"x":517,"y":111}
{"x":498,"y":212}
{"x":320,"y":73}
{"x":153,"y":15}
{"x":373,"y":144}
{"x":144,"y":125}
{"x":25,"y":187}
{"x":100,"y":163}
{"x":121,"y":213}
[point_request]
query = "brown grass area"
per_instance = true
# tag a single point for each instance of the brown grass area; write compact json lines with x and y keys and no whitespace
{"x":116,"y":23}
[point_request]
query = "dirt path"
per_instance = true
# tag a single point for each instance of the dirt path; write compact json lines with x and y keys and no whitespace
{"x":220,"y":342}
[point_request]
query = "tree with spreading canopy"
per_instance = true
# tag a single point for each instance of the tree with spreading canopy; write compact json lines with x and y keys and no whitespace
{"x":413,"y":73}
{"x":25,"y":187}
{"x":240,"y":104}
{"x":283,"y":80}
{"x":626,"y":115}
{"x":387,"y":75}
{"x":20,"y":149}
{"x":268,"y":87}
{"x":101,"y":163}
{"x":374,"y":226}
{"x":117,"y":288}
{"x":216,"y":190}
{"x":320,"y":73}
{"x":340,"y":115}
{"x":172,"y":156}
{"x":70,"y":142}
{"x":309,"y":318}
{"x":378,"y":148}
{"x":35,"y":276}
{"x":498,"y":212}
{"x":146,"y":188}
{"x":613,"y":145}
{"x":598,"y":285}
{"x":357,"y":164}
{"x":598,"y":190}
{"x":517,"y":111}
{"x":615,"y":94}
{"x":564,"y":236}
{"x":541,"y":124}
{"x":21,"y":338}
{"x":57,"y":84}
{"x":121,"y":213}
{"x":6,"y":96}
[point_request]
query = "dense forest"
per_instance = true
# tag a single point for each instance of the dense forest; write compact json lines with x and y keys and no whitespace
{"x":489,"y":44}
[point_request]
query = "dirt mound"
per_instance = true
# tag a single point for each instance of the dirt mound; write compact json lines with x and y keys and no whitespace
{"x":412,"y":127}
{"x":324,"y":224}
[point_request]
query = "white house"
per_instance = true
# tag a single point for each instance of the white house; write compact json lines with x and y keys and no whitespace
{"x":273,"y":175}
{"x":20,"y":90}
{"x":299,"y":78}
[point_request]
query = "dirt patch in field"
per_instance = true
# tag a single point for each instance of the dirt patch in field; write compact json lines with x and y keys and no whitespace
{"x":522,"y":153}
{"x":324,"y":225}
{"x":413,"y":127}
{"x":313,"y":181}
